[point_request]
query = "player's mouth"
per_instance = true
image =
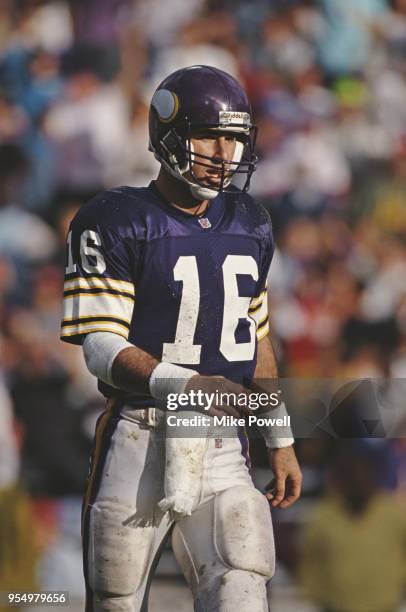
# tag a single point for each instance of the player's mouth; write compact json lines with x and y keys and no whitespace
{"x":215,"y":178}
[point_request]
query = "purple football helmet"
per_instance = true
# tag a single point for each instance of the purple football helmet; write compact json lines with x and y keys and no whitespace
{"x":197,"y":99}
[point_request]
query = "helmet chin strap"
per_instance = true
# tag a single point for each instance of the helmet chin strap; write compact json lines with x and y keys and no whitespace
{"x":198,"y":191}
{"x":201,"y":193}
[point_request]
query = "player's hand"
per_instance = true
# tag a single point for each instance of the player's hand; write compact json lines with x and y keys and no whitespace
{"x":284,"y":489}
{"x":217,"y":385}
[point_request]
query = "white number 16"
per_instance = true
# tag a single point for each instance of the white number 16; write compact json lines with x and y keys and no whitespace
{"x":86,"y":250}
{"x":182,"y":350}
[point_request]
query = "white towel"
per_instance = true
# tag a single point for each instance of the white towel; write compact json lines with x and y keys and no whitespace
{"x":184,"y":464}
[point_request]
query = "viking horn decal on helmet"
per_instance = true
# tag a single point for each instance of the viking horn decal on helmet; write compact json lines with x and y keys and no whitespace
{"x":166,"y":104}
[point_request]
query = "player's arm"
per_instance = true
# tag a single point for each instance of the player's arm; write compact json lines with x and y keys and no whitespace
{"x":284,"y":488}
{"x":132,"y":369}
{"x":127,"y":367}
{"x":99,"y":298}
{"x":266,"y":366}
{"x":117,"y":362}
{"x":100,"y":293}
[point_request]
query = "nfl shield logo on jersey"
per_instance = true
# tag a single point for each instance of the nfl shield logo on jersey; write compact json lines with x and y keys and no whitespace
{"x":205,"y":223}
{"x":218,"y":442}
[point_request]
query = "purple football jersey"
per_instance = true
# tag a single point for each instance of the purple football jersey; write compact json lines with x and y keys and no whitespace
{"x":188,"y":290}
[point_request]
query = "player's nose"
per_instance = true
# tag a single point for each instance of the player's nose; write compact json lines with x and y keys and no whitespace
{"x":221,"y":152}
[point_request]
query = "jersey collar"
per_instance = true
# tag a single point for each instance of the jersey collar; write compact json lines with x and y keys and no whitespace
{"x":213,"y":214}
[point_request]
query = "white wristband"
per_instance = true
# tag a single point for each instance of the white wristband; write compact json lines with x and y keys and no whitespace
{"x":277,"y":436}
{"x":169,"y":378}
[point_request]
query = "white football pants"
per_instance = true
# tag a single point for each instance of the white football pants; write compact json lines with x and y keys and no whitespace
{"x":225,"y":548}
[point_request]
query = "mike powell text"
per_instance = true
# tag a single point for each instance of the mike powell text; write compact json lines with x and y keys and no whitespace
{"x":227,"y":421}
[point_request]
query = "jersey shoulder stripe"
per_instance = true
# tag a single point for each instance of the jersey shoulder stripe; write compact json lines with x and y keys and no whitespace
{"x":84,"y":292}
{"x":76,"y":333}
{"x":79,"y":320}
{"x":98,"y":282}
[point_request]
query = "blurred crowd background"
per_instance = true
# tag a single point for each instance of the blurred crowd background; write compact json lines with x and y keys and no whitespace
{"x":327,"y":80}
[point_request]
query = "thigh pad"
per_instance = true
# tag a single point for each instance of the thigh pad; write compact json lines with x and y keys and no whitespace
{"x":231,"y":531}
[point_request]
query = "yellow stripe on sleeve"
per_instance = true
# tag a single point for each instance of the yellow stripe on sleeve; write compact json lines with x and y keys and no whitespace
{"x":95,"y":295}
{"x":98,"y":282}
{"x":261,"y":333}
{"x":97,"y":317}
{"x":258,"y":300}
{"x":87,"y":328}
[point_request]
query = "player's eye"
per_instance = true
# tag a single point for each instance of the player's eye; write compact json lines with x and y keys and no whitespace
{"x":204,"y":138}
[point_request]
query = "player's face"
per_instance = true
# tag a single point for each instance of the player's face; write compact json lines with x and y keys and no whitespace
{"x":216,"y":145}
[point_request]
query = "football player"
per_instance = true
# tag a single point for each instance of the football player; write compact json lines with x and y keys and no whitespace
{"x":166,"y":290}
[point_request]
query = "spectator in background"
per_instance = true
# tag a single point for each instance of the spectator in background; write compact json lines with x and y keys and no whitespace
{"x":13,"y":120}
{"x":9,"y":452}
{"x":88,"y":125}
{"x":213,"y":38}
{"x":382,"y":199}
{"x":24,"y":237}
{"x":284,"y":49}
{"x":18,"y":550}
{"x":398,"y":363}
{"x":390,"y":30}
{"x":139,"y":168}
{"x":346,"y":42}
{"x":163,"y":32}
{"x":56,"y":446}
{"x":354,"y":546}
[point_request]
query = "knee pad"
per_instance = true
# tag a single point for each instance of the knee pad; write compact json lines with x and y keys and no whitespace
{"x":243,"y":531}
{"x":234,"y":590}
{"x":232,"y":531}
